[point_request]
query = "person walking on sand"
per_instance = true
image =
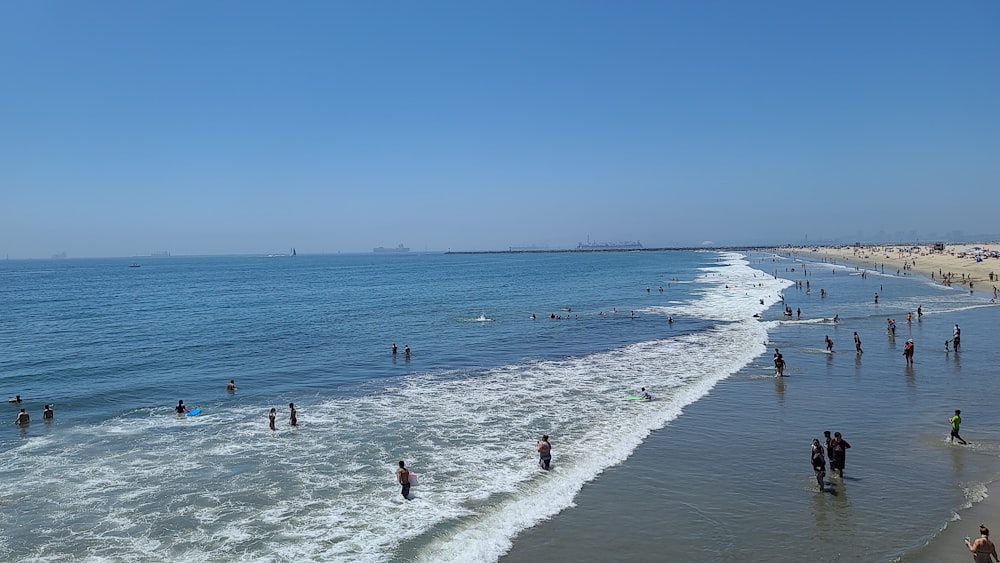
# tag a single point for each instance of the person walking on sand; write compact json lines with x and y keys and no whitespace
{"x":544,"y":449}
{"x":838,"y":458}
{"x":818,"y":463}
{"x":956,"y":422}
{"x":271,"y":416}
{"x":857,"y":343}
{"x":403,"y":476}
{"x":983,"y":550}
{"x":293,"y":419}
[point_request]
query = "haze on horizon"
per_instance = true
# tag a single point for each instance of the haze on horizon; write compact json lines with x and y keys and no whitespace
{"x":238,"y":128}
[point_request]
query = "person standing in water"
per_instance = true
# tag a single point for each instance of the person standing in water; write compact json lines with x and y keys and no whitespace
{"x":908,"y":352}
{"x":403,"y":476}
{"x":47,"y":414}
{"x":983,"y":550}
{"x":838,"y":458}
{"x":818,"y":463}
{"x":180,"y":408}
{"x":829,"y":343}
{"x":956,"y":422}
{"x":22,"y":418}
{"x":544,"y":449}
{"x":293,"y":419}
{"x":393,"y":348}
{"x":231,"y":386}
{"x":857,"y":343}
{"x":271,"y":416}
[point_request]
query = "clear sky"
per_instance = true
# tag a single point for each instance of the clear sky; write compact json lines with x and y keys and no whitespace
{"x":218,"y":127}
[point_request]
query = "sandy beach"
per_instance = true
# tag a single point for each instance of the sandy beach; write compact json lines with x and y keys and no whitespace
{"x":969,"y":264}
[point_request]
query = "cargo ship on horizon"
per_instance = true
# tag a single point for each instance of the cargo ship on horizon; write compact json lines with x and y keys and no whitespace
{"x":399,"y":248}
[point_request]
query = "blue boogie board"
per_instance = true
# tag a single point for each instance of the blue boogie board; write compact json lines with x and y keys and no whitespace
{"x":193,"y":412}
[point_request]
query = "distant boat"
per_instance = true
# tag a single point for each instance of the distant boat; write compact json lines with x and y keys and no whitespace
{"x":293,"y":253}
{"x":399,"y":248}
{"x":135,"y":265}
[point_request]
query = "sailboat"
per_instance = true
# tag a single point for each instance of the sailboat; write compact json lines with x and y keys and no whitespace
{"x":292,"y":253}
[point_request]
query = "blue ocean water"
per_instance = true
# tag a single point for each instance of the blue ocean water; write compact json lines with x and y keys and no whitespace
{"x":117,"y":475}
{"x":715,"y":467}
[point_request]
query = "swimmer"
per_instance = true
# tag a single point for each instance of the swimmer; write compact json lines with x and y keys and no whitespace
{"x":231,"y":386}
{"x":17,"y":398}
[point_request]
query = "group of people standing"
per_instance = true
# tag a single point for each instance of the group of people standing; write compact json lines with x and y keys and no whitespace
{"x":406,"y":350}
{"x":23,"y":418}
{"x":293,"y":418}
{"x":835,"y":450}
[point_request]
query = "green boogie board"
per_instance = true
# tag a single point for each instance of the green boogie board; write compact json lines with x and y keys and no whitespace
{"x":634,"y":398}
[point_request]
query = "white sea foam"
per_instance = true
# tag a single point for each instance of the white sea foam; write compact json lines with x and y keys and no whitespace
{"x":221,"y":486}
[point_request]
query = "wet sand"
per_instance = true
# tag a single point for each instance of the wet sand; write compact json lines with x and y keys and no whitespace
{"x":948,"y":545}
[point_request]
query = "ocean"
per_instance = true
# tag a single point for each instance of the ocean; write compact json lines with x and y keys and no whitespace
{"x":715,"y":467}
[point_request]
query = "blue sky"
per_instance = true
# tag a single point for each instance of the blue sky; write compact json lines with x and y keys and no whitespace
{"x":252,"y":127}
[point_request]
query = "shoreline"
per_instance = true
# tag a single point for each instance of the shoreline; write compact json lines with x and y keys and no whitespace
{"x":947,"y":544}
{"x":945,"y":266}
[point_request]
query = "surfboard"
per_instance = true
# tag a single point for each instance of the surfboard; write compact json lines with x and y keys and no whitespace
{"x":193,"y":412}
{"x":634,"y":398}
